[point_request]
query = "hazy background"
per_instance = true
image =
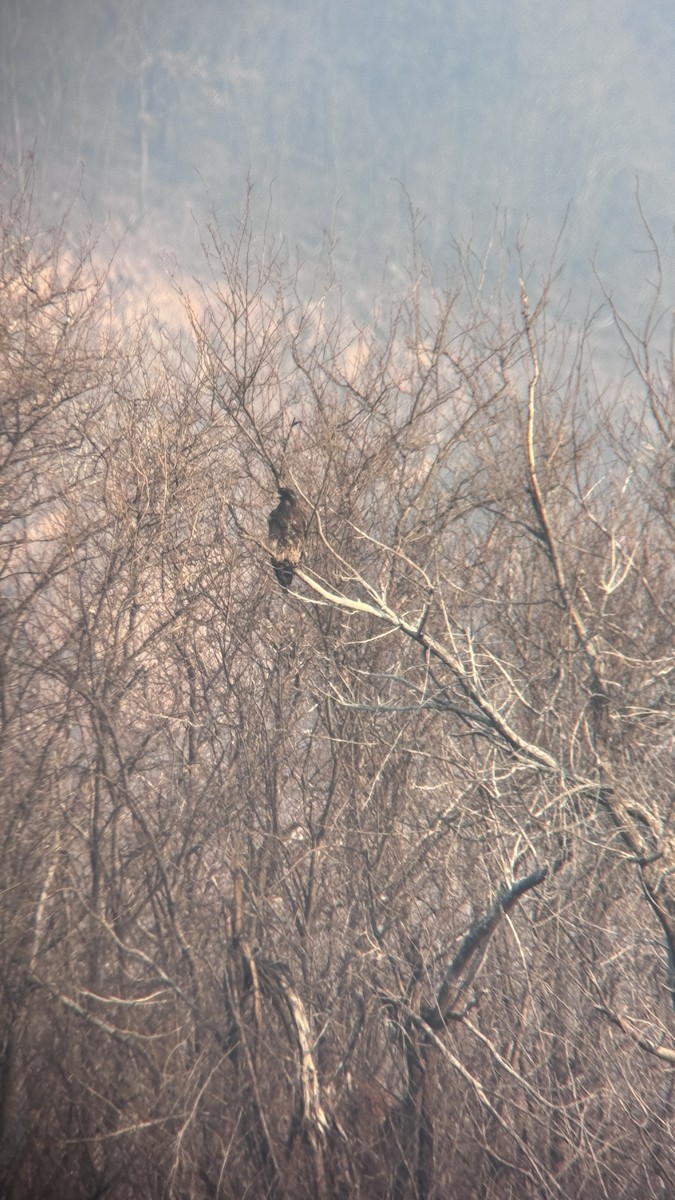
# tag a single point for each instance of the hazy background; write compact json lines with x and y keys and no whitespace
{"x":152,"y":109}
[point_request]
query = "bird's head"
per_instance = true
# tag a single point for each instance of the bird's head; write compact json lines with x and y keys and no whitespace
{"x":286,"y":494}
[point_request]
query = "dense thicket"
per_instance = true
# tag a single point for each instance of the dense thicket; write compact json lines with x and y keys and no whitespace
{"x":365,"y":889}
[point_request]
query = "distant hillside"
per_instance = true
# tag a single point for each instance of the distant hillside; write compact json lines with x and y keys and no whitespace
{"x":337,"y":110}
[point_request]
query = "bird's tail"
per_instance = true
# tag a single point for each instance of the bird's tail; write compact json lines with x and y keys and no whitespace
{"x":283,"y":571}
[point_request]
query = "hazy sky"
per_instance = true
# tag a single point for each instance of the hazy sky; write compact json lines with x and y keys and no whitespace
{"x":474,"y":106}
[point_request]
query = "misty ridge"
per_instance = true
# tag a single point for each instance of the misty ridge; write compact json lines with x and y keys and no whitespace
{"x":343,"y":117}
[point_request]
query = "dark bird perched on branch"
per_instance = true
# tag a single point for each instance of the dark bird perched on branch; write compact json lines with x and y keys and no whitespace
{"x":286,"y":536}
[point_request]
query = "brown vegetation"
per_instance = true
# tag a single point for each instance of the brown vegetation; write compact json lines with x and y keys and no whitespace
{"x":366,"y":888}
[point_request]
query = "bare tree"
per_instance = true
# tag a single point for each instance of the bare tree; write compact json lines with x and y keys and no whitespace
{"x":362,"y":888}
